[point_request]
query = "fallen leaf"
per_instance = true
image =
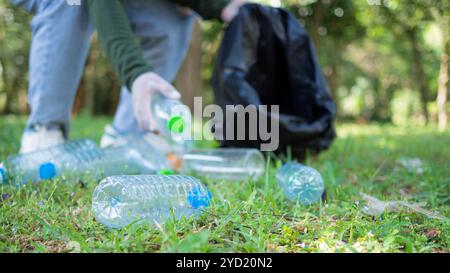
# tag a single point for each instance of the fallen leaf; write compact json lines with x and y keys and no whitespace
{"x":407,"y":191}
{"x":432,"y":233}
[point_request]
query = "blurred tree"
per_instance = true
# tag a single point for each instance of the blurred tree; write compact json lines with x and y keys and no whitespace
{"x":440,"y":11}
{"x":375,"y":54}
{"x":14,"y":47}
{"x":211,"y":38}
{"x":407,"y":19}
{"x":98,"y":92}
{"x":333,"y":25}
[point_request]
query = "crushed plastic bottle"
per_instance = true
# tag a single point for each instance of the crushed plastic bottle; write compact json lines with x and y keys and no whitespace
{"x":301,"y":183}
{"x":226,"y":164}
{"x":173,"y":119}
{"x":119,"y":201}
{"x":75,"y":160}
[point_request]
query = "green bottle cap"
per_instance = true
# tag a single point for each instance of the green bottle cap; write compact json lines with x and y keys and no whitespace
{"x":166,"y":172}
{"x":176,"y":124}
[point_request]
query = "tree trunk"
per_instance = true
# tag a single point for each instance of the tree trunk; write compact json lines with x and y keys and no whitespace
{"x":317,"y":23}
{"x":5,"y":80}
{"x":441,"y":100}
{"x":89,"y":87}
{"x":189,"y":79}
{"x":9,"y":90}
{"x":334,"y":78}
{"x":419,"y":74}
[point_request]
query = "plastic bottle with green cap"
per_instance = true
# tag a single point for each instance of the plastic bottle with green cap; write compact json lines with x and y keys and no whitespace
{"x":83,"y":159}
{"x":173,"y":118}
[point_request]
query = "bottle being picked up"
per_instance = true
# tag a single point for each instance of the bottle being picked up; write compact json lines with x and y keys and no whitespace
{"x":226,"y":164}
{"x":173,"y":119}
{"x":301,"y":183}
{"x":119,"y":201}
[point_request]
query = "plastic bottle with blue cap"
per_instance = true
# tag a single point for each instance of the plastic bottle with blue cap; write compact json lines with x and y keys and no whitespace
{"x":83,"y":159}
{"x":301,"y":183}
{"x":119,"y":201}
{"x":72,"y":159}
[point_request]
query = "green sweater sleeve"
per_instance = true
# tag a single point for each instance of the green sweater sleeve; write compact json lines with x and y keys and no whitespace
{"x":117,"y":40}
{"x":208,"y":9}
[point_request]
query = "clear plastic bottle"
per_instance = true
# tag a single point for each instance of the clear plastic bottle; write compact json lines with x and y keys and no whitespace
{"x":68,"y":159}
{"x":163,"y":144}
{"x":301,"y":183}
{"x":173,"y":119}
{"x":80,"y":159}
{"x":119,"y":201}
{"x":226,"y":164}
{"x":135,"y":156}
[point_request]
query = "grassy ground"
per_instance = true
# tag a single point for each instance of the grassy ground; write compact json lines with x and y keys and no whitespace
{"x":254,"y":217}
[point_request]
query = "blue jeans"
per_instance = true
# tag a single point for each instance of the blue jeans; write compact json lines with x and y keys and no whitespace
{"x":61,"y":35}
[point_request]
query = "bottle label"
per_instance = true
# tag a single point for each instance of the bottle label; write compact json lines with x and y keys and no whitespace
{"x":199,"y":198}
{"x":47,"y":171}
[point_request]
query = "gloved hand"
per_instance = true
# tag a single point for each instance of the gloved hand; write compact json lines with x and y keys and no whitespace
{"x":142,"y":89}
{"x":232,"y":9}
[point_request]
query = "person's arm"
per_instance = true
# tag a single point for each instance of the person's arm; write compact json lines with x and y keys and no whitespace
{"x":126,"y":57}
{"x":117,"y":40}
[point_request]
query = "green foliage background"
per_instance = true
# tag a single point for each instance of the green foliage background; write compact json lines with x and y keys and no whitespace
{"x":382,"y":58}
{"x":385,"y":61}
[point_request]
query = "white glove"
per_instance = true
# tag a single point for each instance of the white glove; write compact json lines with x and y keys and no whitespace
{"x":232,"y":9}
{"x":142,"y":90}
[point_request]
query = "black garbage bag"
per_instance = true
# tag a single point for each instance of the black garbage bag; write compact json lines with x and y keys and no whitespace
{"x":267,"y":58}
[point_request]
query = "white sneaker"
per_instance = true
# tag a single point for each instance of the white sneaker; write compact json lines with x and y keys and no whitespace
{"x":40,"y":138}
{"x":112,"y":138}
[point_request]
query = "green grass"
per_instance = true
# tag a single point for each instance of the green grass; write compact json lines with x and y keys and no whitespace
{"x":254,"y":217}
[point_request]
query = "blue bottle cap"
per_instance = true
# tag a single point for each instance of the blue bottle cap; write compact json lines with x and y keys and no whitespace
{"x":47,"y":171}
{"x":3,"y":176}
{"x":199,"y":198}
